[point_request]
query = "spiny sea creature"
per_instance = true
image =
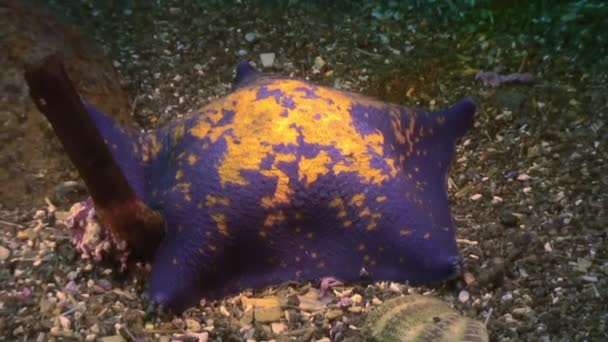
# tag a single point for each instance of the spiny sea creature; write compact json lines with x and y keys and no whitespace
{"x":278,"y":180}
{"x":421,"y":318}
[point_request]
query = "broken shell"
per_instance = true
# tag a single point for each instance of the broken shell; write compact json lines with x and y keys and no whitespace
{"x":421,"y":318}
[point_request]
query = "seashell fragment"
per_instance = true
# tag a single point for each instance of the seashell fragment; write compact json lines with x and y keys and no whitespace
{"x":421,"y":318}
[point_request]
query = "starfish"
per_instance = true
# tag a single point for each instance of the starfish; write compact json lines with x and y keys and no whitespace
{"x":278,"y":180}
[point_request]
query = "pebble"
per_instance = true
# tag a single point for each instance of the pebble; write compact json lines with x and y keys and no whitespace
{"x":548,"y":247}
{"x":508,"y":219}
{"x":250,"y":37}
{"x":65,"y":322}
{"x":310,"y":304}
{"x":291,"y":315}
{"x":95,"y":328}
{"x":19,"y":330}
{"x":355,"y":309}
{"x":394,"y":287}
{"x":224,"y":312}
{"x":278,"y":328}
{"x":319,"y":64}
{"x":55,"y":331}
{"x":583,"y":264}
{"x":468,"y":278}
{"x":113,"y":338}
{"x":509,"y":319}
{"x":242,"y":52}
{"x":266,"y":310}
{"x":589,"y":278}
{"x":4,"y":253}
{"x":247,"y":318}
{"x":23,"y":234}
{"x":476,"y":197}
{"x":267,"y":59}
{"x":177,"y":78}
{"x":313,"y":300}
{"x":493,"y":275}
{"x":497,"y":200}
{"x":333,"y":314}
{"x":464,"y":296}
{"x":383,"y":38}
{"x":193,"y":325}
{"x":72,"y":275}
{"x":356,"y":298}
{"x":521,"y":312}
{"x":523,"y":177}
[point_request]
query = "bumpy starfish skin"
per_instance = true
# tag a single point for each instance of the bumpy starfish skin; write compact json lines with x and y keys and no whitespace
{"x":285,"y":180}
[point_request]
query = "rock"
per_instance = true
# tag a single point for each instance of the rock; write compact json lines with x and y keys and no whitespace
{"x":464,"y":296}
{"x":523,"y":177}
{"x":4,"y":253}
{"x":508,"y":219}
{"x":312,"y":301}
{"x":250,"y":37}
{"x":319,"y":64}
{"x":193,"y":325}
{"x":291,"y":316}
{"x":95,"y":328}
{"x":497,"y":200}
{"x":267,"y":59}
{"x":265,"y":310}
{"x":247,"y":318}
{"x":65,"y":322}
{"x":267,"y":315}
{"x":394,"y":287}
{"x":356,"y":298}
{"x":18,"y":331}
{"x":310,"y":304}
{"x":224,"y":312}
{"x":582,"y":264}
{"x":242,"y":52}
{"x":45,"y":306}
{"x":476,"y":197}
{"x":355,"y":309}
{"x":493,"y":275}
{"x":278,"y":328}
{"x":590,"y":278}
{"x":113,"y":338}
{"x":333,"y":314}
{"x":469,"y":278}
{"x":521,"y":312}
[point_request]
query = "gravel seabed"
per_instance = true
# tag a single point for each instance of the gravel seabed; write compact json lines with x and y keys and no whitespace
{"x":528,"y":188}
